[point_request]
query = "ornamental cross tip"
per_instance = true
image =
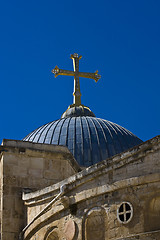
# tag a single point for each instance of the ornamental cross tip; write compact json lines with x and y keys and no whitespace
{"x":76,"y":94}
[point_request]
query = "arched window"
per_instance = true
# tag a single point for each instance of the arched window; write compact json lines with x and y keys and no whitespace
{"x":152,"y":214}
{"x":52,"y":236}
{"x":95,"y":224}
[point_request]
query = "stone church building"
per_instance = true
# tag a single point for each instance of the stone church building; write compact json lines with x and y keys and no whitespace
{"x":80,"y":178}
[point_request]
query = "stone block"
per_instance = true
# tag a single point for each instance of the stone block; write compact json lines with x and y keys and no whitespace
{"x":24,"y":162}
{"x":9,"y":236}
{"x":36,"y":173}
{"x":6,"y":190}
{"x":37,"y":163}
{"x":10,"y":159}
{"x":8,"y":203}
{"x":19,"y":171}
{"x":52,"y":174}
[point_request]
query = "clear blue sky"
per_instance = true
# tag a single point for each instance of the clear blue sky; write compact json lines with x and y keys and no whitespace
{"x":119,"y":38}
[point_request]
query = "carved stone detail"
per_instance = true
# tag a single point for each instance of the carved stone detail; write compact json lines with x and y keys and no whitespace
{"x":95,"y":224}
{"x":70,"y":230}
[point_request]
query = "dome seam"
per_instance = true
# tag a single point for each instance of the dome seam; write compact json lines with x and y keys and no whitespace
{"x":105,"y":138}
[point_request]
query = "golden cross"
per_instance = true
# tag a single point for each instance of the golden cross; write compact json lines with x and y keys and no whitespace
{"x":76,"y":94}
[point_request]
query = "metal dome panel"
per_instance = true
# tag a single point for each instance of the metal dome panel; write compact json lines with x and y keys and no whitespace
{"x":90,"y":139}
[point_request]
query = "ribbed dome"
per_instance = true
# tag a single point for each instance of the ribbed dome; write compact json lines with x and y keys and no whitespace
{"x":90,"y":139}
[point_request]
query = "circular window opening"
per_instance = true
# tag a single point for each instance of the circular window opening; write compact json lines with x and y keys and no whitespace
{"x":125,"y":212}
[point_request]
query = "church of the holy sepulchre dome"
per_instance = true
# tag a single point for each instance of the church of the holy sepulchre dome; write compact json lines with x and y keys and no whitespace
{"x":90,"y":139}
{"x":80,"y":178}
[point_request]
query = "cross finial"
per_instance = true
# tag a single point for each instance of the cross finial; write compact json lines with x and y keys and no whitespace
{"x":76,"y":94}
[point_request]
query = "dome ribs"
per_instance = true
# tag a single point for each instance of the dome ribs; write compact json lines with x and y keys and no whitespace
{"x":45,"y":132}
{"x":89,"y":160}
{"x":132,"y":140}
{"x":105,"y":139}
{"x":60,"y":131}
{"x":119,"y":143}
{"x":42,"y":132}
{"x":67,"y":131}
{"x":29,"y":135}
{"x":57,"y":132}
{"x":71,"y":136}
{"x":89,"y":139}
{"x":109,"y":136}
{"x":123,"y":134}
{"x":53,"y":131}
{"x":82,"y":146}
{"x":64,"y":132}
{"x":98,"y":141}
{"x":38,"y":133}
{"x":79,"y":141}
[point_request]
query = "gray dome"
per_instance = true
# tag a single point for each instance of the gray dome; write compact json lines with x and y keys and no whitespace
{"x":90,"y":139}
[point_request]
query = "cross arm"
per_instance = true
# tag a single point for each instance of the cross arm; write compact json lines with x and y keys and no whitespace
{"x":94,"y":76}
{"x":57,"y":71}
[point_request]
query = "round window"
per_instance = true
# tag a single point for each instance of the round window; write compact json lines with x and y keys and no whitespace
{"x":125,"y":212}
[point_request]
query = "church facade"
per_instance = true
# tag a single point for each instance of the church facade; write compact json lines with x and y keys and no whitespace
{"x":80,"y":178}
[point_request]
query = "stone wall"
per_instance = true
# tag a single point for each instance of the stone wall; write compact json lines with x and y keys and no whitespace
{"x":93,"y":200}
{"x":97,"y":216}
{"x":27,"y":167}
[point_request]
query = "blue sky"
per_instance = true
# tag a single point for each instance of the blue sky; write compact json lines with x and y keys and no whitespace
{"x":119,"y":38}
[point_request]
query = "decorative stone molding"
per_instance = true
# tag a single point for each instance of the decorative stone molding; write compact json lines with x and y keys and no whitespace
{"x":95,"y":224}
{"x":70,"y":230}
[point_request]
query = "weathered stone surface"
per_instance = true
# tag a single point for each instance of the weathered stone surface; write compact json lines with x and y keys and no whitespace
{"x":23,"y":169}
{"x":70,"y":230}
{"x":86,"y":207}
